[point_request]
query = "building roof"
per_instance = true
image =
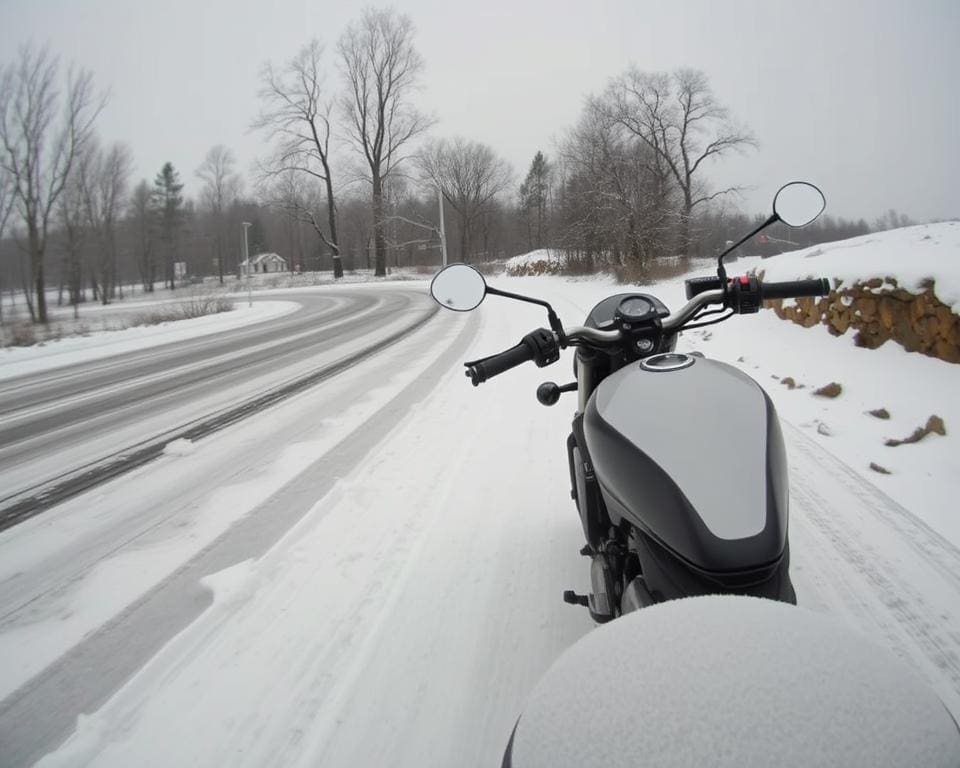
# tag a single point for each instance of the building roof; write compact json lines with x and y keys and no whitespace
{"x":262,"y":257}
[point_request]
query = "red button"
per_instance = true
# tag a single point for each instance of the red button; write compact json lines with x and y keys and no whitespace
{"x":744,"y":281}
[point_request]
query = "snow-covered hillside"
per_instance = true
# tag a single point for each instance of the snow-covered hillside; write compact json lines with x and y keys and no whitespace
{"x":912,"y":255}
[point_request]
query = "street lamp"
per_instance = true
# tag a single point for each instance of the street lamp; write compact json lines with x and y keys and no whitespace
{"x":246,"y":258}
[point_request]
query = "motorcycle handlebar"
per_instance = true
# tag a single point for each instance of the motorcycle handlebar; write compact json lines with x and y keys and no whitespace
{"x":481,"y":370}
{"x":543,"y":345}
{"x":795,"y":289}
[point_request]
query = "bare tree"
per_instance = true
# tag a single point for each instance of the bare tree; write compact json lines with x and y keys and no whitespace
{"x":681,"y":121}
{"x":381,"y":68}
{"x":296,"y":114}
{"x":142,"y":219}
{"x":103,"y":177}
{"x":221,"y":188}
{"x":73,"y":230}
{"x":6,"y":199}
{"x":470,"y":175}
{"x":6,"y":206}
{"x":291,"y":193}
{"x":38,"y":149}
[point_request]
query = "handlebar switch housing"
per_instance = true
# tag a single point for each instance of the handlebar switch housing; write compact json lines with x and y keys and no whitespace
{"x":545,"y":347}
{"x":743,"y":295}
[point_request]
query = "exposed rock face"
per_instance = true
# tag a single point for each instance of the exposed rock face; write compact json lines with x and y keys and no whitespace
{"x":878,"y":310}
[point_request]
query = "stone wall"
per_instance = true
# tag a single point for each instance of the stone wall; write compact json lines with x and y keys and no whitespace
{"x":879,"y":310}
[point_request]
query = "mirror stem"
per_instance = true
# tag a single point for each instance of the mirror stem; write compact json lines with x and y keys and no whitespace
{"x":555,"y":325}
{"x":721,"y":271}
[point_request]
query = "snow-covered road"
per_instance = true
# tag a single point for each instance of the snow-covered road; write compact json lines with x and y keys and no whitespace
{"x":370,"y":574}
{"x":63,"y":421}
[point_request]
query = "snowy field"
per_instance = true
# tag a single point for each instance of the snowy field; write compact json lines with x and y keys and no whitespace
{"x":372,"y":571}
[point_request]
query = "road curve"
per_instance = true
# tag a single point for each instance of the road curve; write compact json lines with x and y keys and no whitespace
{"x":58,"y":421}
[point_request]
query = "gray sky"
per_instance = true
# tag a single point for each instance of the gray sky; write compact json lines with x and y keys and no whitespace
{"x":859,"y":96}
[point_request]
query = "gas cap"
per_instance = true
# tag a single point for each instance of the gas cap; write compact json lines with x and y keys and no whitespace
{"x":667,"y":361}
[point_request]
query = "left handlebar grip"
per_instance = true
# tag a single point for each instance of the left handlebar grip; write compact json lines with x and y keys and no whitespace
{"x":491,"y":366}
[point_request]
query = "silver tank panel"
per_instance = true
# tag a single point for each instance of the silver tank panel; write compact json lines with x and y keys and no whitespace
{"x":705,"y":425}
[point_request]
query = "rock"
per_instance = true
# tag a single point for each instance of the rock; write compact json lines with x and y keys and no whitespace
{"x":935,"y":424}
{"x":880,"y":413}
{"x":947,"y":351}
{"x":788,"y":382}
{"x":878,"y":311}
{"x":833,"y":389}
{"x":877,"y":468}
{"x":840,"y":322}
{"x":888,"y":312}
{"x":944,"y":315}
{"x":868,"y":307}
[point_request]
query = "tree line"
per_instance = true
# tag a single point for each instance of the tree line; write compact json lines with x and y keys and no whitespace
{"x":624,"y":187}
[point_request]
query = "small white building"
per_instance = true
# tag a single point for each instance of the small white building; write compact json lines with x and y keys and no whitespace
{"x":263,"y":263}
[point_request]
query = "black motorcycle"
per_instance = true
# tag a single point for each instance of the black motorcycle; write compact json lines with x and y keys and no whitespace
{"x":677,"y":462}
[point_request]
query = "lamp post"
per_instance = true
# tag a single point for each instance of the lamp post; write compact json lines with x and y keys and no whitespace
{"x":246,"y":258}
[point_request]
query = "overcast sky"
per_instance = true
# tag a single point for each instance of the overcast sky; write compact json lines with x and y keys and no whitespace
{"x":859,"y":96}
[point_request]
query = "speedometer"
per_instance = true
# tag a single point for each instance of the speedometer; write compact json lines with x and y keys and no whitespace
{"x":633,"y":309}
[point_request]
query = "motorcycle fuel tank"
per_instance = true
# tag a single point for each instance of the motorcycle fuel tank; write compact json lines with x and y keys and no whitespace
{"x":690,"y":451}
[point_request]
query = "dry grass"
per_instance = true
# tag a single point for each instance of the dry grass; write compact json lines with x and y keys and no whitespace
{"x":21,"y":332}
{"x":653,"y":271}
{"x":198,"y":305}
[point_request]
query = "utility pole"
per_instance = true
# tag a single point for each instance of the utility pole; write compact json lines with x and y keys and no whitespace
{"x":443,"y":232}
{"x":246,"y":258}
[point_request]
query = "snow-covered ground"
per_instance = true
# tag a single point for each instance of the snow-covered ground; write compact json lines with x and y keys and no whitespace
{"x":19,"y":361}
{"x":386,"y":552}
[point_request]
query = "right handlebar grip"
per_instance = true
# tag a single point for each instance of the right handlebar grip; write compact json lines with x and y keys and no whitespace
{"x":795,"y":289}
{"x":491,"y":366}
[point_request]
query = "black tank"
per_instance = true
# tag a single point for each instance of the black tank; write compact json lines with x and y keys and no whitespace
{"x":690,"y":451}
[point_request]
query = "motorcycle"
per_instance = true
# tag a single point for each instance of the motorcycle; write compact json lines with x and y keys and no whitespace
{"x":676,"y":461}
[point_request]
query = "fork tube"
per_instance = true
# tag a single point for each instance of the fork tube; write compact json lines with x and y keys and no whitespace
{"x":584,"y":381}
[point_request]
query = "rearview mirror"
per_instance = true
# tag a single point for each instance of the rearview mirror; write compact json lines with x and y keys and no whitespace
{"x":459,"y":287}
{"x":798,"y":203}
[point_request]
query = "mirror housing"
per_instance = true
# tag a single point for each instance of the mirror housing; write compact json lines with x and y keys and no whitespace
{"x":798,"y":203}
{"x":459,"y":287}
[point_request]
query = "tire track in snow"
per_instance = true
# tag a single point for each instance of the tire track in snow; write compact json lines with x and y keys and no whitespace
{"x":39,"y":715}
{"x":894,"y":574}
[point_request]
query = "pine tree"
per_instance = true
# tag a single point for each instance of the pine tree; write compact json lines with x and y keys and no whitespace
{"x":533,"y":200}
{"x":168,"y":208}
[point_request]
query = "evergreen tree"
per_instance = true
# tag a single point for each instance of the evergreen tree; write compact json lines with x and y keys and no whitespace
{"x":533,"y":200}
{"x":168,"y":208}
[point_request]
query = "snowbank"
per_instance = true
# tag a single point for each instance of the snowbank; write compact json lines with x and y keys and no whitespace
{"x":914,"y":256}
{"x":544,"y":261}
{"x":19,"y":361}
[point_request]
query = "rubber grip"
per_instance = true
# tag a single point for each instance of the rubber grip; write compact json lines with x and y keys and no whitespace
{"x":491,"y":366}
{"x":795,"y":289}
